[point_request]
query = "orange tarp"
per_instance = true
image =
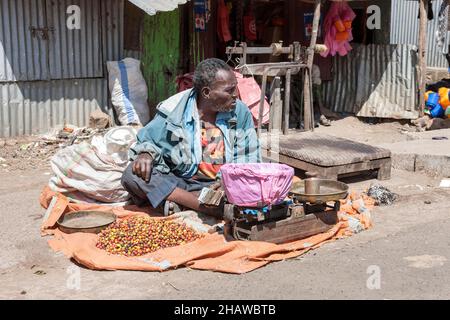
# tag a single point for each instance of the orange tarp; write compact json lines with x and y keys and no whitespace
{"x":212,"y":252}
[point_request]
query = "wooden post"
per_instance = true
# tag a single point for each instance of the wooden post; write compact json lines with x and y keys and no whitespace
{"x":308,"y":105}
{"x":287,"y":102}
{"x":422,"y":70}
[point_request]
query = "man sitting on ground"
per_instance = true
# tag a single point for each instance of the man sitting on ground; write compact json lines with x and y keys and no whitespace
{"x":194,"y":132}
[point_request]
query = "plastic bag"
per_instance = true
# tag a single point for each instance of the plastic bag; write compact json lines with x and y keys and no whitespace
{"x":250,"y":94}
{"x":129,"y":91}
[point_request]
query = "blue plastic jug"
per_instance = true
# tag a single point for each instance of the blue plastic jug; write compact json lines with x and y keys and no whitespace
{"x":437,"y":112}
{"x":433,"y":100}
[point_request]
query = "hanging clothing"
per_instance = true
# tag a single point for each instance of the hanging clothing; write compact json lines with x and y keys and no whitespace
{"x":338,"y":29}
{"x":223,"y":22}
{"x":200,"y":15}
{"x":442,"y":30}
{"x":250,"y":24}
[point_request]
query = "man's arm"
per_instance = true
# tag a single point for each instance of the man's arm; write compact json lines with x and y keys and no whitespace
{"x":149,"y":141}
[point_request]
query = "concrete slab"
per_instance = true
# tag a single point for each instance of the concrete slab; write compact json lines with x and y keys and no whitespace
{"x":422,"y":155}
{"x":428,"y":135}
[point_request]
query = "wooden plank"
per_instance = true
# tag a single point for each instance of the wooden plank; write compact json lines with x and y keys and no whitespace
{"x":276,"y":108}
{"x":308,"y":105}
{"x":258,"y":69}
{"x":287,"y":102}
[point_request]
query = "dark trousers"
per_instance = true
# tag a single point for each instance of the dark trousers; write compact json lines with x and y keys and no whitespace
{"x":159,"y":187}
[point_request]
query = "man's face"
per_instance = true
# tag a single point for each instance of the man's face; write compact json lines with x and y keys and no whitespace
{"x":223,"y":92}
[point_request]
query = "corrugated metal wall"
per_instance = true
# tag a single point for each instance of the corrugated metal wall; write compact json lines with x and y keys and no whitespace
{"x":340,"y":93}
{"x":31,"y":104}
{"x":387,"y":83}
{"x":36,"y":107}
{"x":74,"y":53}
{"x":132,"y":54}
{"x":405,"y":29}
{"x":375,"y":81}
{"x":112,"y":29}
{"x":22,"y":56}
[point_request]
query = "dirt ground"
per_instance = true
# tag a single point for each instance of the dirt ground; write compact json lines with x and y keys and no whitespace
{"x":366,"y":132}
{"x":406,"y":255}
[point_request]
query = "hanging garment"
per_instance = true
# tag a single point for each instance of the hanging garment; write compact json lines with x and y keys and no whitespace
{"x":442,"y":30}
{"x":250,"y":24}
{"x":338,"y":29}
{"x":200,"y":15}
{"x":223,"y":22}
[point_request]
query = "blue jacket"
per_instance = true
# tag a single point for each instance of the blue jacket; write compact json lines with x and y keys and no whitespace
{"x":173,"y":136}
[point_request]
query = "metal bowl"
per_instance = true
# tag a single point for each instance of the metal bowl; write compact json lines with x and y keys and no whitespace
{"x":85,"y":221}
{"x":316,"y":190}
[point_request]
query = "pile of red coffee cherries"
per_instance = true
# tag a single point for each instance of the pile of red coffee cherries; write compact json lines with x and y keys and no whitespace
{"x":136,"y":236}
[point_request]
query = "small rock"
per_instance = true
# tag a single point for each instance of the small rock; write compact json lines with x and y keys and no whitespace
{"x":427,"y":202}
{"x":2,"y":143}
{"x":23,"y":292}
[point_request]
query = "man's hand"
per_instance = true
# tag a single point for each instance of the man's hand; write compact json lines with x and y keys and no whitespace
{"x":142,"y":166}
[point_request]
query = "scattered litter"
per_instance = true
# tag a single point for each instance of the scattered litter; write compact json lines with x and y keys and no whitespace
{"x":40,"y":272}
{"x":25,"y":146}
{"x":445,"y":183}
{"x":173,"y":286}
{"x":381,"y":195}
{"x":439,"y":138}
{"x":34,"y":152}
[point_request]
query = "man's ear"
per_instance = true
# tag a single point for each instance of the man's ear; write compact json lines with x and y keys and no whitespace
{"x":205,"y":92}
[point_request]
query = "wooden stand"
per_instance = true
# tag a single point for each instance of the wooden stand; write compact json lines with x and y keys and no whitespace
{"x":328,"y":156}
